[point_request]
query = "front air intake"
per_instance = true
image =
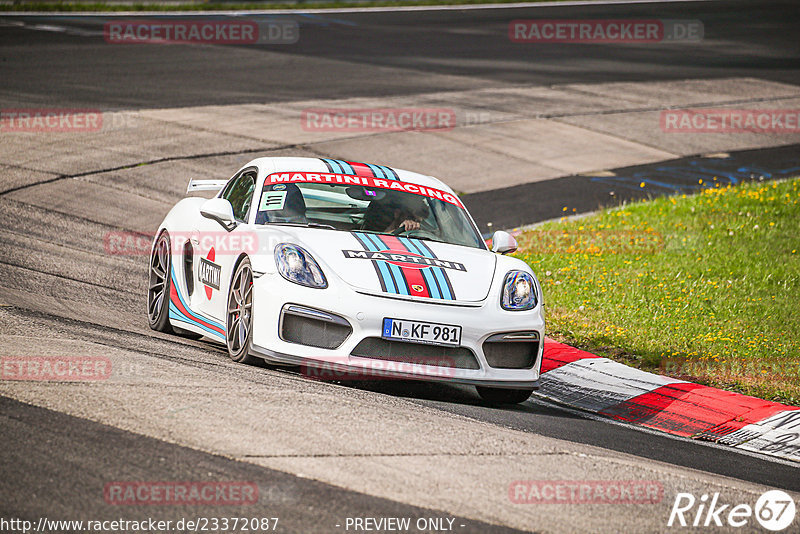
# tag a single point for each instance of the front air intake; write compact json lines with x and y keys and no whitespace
{"x":378,"y":348}
{"x":513,"y":350}
{"x":314,"y":328}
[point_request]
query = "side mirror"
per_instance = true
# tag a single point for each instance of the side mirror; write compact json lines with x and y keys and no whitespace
{"x":219,"y":210}
{"x":503,"y":242}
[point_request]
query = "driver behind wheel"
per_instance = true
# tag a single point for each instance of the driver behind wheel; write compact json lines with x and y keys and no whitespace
{"x":395,"y":213}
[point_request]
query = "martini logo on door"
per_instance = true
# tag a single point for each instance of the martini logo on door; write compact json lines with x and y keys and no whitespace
{"x":209,"y":273}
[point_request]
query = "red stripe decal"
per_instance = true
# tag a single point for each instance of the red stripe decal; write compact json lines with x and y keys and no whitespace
{"x":173,"y":296}
{"x":686,"y":409}
{"x":557,"y":354}
{"x":362,"y":169}
{"x":418,"y":287}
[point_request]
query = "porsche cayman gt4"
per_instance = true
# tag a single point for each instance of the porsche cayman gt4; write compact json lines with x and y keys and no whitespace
{"x":356,"y":268}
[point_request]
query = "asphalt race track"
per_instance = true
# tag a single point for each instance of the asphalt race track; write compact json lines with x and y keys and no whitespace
{"x":320,"y":452}
{"x":388,"y":53}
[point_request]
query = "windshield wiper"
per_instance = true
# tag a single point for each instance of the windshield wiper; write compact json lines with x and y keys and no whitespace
{"x":304,"y":225}
{"x":421,"y":238}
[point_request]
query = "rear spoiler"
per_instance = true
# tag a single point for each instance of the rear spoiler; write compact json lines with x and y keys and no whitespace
{"x":205,"y":185}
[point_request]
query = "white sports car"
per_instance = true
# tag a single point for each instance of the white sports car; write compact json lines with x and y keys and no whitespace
{"x":351,"y":267}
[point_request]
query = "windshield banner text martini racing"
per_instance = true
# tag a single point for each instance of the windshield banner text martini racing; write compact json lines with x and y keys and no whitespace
{"x":346,"y":179}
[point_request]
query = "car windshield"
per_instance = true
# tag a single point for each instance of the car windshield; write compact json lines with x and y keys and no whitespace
{"x":367,"y":209}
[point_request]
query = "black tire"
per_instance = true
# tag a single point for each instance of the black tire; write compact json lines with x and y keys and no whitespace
{"x":503,"y":396}
{"x":159,"y":285}
{"x":239,"y":315}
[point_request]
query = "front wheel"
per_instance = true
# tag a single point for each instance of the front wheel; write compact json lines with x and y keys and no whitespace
{"x":503,"y":396}
{"x":240,"y":314}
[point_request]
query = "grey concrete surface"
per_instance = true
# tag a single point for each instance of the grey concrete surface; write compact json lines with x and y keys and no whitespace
{"x":561,"y":131}
{"x":76,"y":457}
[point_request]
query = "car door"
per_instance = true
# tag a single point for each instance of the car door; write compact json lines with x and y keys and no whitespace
{"x":217,"y":249}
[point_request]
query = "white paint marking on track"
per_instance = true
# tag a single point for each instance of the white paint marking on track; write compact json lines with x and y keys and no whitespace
{"x":543,"y":401}
{"x":598,"y":383}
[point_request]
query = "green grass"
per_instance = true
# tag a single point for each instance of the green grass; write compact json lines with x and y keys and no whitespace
{"x":704,"y":287}
{"x":189,"y":5}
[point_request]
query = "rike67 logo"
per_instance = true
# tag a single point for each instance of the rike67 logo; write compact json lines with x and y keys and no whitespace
{"x":774,"y":510}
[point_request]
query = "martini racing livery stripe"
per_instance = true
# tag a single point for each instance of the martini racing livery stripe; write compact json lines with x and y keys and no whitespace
{"x":390,"y":276}
{"x":406,"y":266}
{"x":179,"y":311}
{"x":413,"y":275}
{"x":437,"y":274}
{"x":360,"y":169}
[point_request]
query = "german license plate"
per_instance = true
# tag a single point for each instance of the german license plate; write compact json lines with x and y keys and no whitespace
{"x":421,"y":332}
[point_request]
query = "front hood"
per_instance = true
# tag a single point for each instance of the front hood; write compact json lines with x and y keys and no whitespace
{"x":402,"y":267}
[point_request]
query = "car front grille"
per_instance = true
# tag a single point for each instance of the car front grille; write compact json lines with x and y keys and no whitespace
{"x":416,"y":353}
{"x":513,"y":350}
{"x":314,"y":328}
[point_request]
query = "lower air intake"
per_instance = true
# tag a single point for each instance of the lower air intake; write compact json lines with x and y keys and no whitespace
{"x":416,"y":353}
{"x":314,"y":328}
{"x":517,"y":350}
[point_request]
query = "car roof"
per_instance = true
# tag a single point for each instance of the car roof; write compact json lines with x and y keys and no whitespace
{"x":269,"y":165}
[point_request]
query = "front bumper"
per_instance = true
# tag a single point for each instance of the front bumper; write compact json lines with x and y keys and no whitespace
{"x":365,"y":314}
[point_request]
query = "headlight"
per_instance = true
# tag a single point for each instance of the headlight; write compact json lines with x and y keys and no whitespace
{"x":519,"y":292}
{"x":297,"y":265}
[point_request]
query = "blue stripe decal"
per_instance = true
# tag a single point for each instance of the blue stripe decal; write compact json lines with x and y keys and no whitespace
{"x":334,"y":165}
{"x":194,"y":314}
{"x":346,"y":167}
{"x":385,"y":273}
{"x":401,"y":280}
{"x":441,"y":274}
{"x":437,"y":271}
{"x":186,"y":306}
{"x":441,"y":277}
{"x":398,"y":280}
{"x":397,"y":272}
{"x":363,"y":242}
{"x":175,"y":313}
{"x":327,"y":164}
{"x":377,"y":171}
{"x":433,"y":286}
{"x":389,"y":172}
